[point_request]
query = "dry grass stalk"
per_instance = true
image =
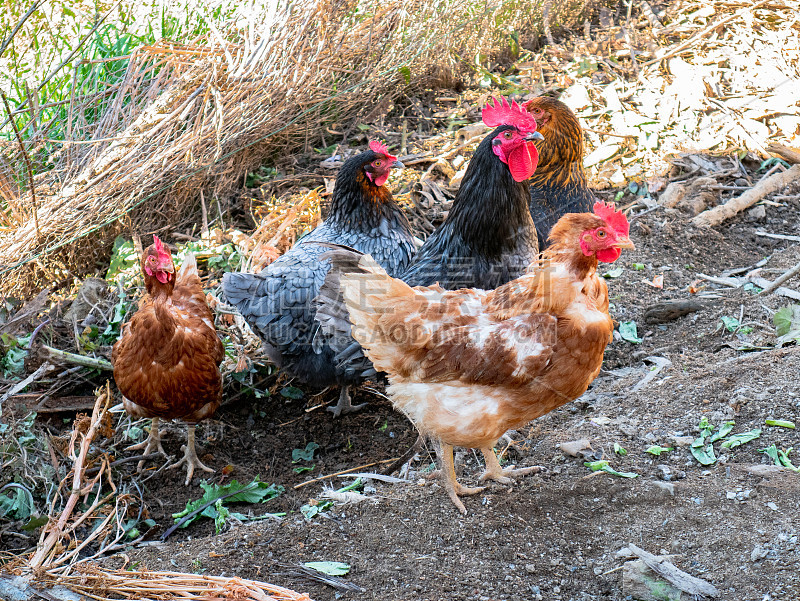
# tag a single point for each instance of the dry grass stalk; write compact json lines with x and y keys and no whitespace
{"x":214,"y":110}
{"x":102,"y":585}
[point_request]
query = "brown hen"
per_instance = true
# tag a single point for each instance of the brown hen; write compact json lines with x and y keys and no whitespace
{"x":166,"y":363}
{"x":465,"y":366}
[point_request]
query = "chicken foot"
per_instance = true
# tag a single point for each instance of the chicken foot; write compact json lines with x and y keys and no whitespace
{"x":503,"y":475}
{"x":448,"y":474}
{"x":345,"y":405}
{"x":152,"y":444}
{"x":190,"y":457}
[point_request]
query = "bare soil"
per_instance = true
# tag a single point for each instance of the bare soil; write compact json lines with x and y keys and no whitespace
{"x":555,"y":535}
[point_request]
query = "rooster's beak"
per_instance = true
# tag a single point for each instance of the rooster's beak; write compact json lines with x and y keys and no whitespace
{"x":534,"y":135}
{"x":397,"y":165}
{"x":624,"y":242}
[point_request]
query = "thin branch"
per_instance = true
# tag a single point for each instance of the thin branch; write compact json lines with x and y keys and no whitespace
{"x":27,"y":165}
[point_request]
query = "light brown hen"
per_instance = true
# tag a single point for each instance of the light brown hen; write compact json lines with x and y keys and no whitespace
{"x":466,"y":366}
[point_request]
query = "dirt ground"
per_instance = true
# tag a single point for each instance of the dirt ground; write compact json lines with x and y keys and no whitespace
{"x":555,"y":535}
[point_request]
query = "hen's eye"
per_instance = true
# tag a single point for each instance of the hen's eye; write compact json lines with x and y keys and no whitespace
{"x":377,"y":163}
{"x":601,"y":234}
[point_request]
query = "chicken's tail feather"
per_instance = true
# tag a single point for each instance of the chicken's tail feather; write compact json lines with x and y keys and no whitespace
{"x":188,"y":270}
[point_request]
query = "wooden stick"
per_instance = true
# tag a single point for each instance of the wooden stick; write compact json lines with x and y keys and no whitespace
{"x":60,"y":356}
{"x":786,"y":276}
{"x":790,"y":155}
{"x":766,"y":186}
{"x":352,"y":469}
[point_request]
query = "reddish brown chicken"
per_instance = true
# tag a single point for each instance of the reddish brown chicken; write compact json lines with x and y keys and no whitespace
{"x":558,"y":186}
{"x":166,"y":363}
{"x":466,"y":366}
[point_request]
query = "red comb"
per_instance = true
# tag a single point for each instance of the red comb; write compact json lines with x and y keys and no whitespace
{"x":161,"y":249}
{"x":503,"y":113}
{"x":380,"y":148}
{"x":615,"y":219}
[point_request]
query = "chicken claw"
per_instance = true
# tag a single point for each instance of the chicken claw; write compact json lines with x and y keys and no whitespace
{"x":345,"y":405}
{"x":503,"y":475}
{"x":448,"y":474}
{"x":153,"y":443}
{"x":190,"y":457}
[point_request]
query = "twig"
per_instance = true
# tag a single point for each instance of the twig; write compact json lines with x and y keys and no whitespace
{"x":606,"y":133}
{"x":704,"y":32}
{"x":782,"y":291}
{"x":352,"y":469}
{"x":19,"y":24}
{"x":786,"y":276}
{"x":25,"y":156}
{"x":777,"y":236}
{"x":60,"y":356}
{"x":43,"y":369}
{"x":51,"y":534}
{"x":764,"y":187}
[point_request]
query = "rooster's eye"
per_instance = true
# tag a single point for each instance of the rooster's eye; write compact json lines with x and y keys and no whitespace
{"x":507,"y":135}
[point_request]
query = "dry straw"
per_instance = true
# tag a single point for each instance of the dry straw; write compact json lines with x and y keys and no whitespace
{"x":198,"y":116}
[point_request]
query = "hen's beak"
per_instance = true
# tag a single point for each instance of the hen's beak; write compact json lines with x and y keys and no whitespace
{"x":167,"y":267}
{"x":397,"y":165}
{"x":624,"y":242}
{"x":534,"y":135}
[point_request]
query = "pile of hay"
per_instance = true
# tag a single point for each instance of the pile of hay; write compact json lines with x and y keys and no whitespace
{"x":198,"y":116}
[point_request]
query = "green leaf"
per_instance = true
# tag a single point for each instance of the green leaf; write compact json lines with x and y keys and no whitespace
{"x":637,"y":266}
{"x":704,"y":453}
{"x":741,"y":438}
{"x":772,"y":452}
{"x":614,"y":273}
{"x":123,"y":255}
{"x":619,"y":450}
{"x":35,"y":523}
{"x":254,"y":492}
{"x":704,"y":427}
{"x":309,"y":511}
{"x":290,"y":392}
{"x":722,"y":431}
{"x":781,"y":423}
{"x":657,"y":450}
{"x":304,"y":468}
{"x":406,"y":73}
{"x":331,"y":568}
{"x":603,"y":466}
{"x":306,"y":454}
{"x":730,"y":323}
{"x":627,"y":330}
{"x":787,"y":324}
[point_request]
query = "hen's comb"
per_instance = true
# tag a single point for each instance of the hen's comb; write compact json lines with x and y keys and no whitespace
{"x":380,"y":148}
{"x":616,"y":219}
{"x":503,"y":113}
{"x":160,"y":248}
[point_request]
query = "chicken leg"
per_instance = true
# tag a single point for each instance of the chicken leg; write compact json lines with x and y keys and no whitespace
{"x":190,"y":457}
{"x":448,"y":474}
{"x":503,"y":475}
{"x":345,"y":405}
{"x":153,"y":443}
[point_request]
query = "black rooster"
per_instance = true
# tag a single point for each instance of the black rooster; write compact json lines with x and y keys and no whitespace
{"x":277,"y":303}
{"x":488,"y":238}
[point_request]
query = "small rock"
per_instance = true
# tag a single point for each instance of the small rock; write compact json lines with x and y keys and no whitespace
{"x":683,"y":441}
{"x":667,"y":487}
{"x":530,"y":568}
{"x":758,"y":553}
{"x":772,"y":506}
{"x":574,"y":447}
{"x":740,"y":181}
{"x":757,"y":213}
